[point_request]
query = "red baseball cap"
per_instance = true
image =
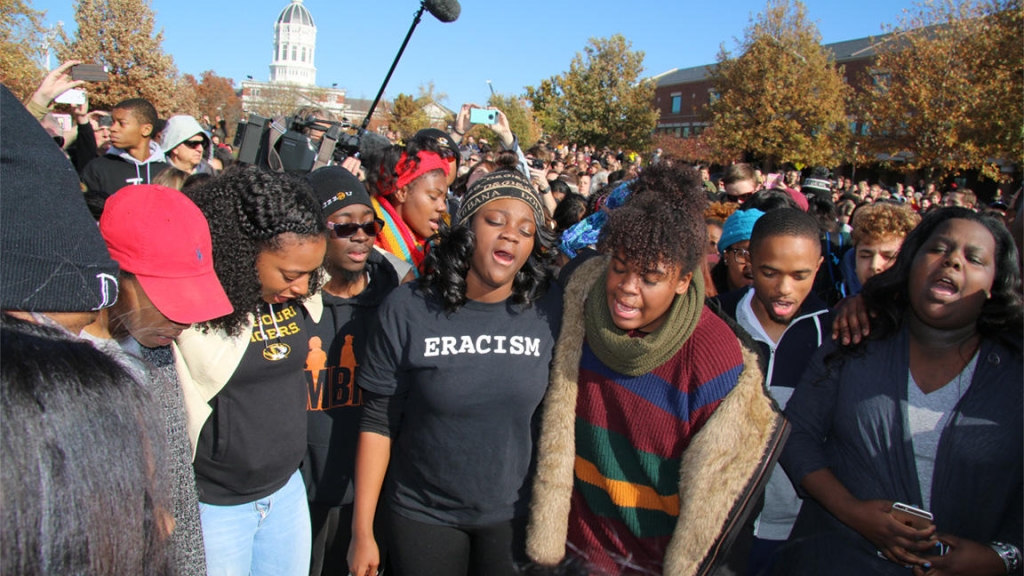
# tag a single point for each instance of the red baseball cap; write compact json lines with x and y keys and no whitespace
{"x":160,"y":236}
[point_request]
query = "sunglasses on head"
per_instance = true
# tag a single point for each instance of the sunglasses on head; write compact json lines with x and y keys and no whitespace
{"x":193,"y":144}
{"x":349,"y":229}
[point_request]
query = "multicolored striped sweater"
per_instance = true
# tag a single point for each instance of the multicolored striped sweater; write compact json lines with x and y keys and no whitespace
{"x":631,"y":433}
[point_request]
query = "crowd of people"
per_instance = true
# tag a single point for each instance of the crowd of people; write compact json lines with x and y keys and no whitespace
{"x":447,"y":357}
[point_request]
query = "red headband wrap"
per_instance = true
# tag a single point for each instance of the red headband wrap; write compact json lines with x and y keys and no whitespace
{"x":409,"y":170}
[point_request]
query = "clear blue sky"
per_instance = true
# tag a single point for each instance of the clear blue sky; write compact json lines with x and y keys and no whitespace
{"x":513,"y":44}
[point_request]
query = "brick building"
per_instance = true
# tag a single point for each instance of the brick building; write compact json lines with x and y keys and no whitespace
{"x":681,"y":94}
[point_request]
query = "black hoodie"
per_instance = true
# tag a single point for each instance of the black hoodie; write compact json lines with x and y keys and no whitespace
{"x":117,"y":169}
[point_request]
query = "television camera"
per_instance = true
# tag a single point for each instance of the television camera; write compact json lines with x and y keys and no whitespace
{"x":289,"y":145}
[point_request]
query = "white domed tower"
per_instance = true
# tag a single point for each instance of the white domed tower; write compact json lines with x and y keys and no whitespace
{"x":294,"y":46}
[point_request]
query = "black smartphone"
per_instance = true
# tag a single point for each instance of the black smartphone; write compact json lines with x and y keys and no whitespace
{"x":90,"y":72}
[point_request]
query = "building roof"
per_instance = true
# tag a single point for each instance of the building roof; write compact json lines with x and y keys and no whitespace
{"x":437,"y":109}
{"x":296,"y":13}
{"x":844,"y":51}
{"x":855,"y":49}
{"x":683,"y":75}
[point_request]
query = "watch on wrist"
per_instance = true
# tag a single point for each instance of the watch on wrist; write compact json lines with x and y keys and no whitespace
{"x":1010,"y":555}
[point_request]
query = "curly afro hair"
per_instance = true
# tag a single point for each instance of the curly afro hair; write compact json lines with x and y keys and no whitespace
{"x":248,"y":211}
{"x":719,"y":212}
{"x":662,"y":222}
{"x":883,"y":220}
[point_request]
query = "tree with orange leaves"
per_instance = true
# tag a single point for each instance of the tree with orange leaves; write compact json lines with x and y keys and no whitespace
{"x":948,"y":86}
{"x":784,"y":96}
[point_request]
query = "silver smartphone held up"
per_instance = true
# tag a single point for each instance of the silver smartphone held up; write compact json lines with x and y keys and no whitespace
{"x":74,"y":96}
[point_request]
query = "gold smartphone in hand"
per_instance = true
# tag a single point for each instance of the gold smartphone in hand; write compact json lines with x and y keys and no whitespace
{"x":911,"y":516}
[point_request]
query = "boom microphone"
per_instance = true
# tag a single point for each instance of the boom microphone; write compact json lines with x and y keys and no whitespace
{"x":444,"y":10}
{"x":371,"y":145}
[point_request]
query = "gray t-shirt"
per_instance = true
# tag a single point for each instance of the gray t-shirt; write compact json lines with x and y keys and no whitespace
{"x":472,"y":382}
{"x":927,"y":416}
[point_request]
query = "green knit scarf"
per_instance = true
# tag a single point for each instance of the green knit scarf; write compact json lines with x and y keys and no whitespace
{"x":636,"y":356}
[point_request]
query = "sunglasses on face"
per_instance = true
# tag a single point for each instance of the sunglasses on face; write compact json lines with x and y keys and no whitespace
{"x":349,"y":229}
{"x":193,"y":144}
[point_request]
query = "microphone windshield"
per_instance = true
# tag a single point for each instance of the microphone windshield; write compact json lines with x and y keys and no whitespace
{"x":372,"y":145}
{"x":444,"y":10}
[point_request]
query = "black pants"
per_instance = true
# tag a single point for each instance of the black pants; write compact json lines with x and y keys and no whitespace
{"x":332,"y":531}
{"x":419,"y":549}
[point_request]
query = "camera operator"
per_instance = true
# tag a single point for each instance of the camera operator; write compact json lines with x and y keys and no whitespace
{"x":322,"y":122}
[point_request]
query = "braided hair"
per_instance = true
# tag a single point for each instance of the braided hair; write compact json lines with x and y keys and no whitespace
{"x":249,"y":211}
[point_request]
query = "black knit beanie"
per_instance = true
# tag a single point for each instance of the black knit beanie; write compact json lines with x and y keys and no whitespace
{"x":336,"y":188}
{"x":52,"y":257}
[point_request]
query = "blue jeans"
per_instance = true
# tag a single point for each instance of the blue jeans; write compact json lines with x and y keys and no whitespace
{"x":270,"y":536}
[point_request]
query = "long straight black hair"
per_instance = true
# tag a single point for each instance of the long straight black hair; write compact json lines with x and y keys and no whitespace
{"x":82,"y":448}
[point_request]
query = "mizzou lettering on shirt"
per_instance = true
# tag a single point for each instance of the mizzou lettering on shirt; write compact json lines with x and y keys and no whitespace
{"x":255,"y":437}
{"x":484,"y":344}
{"x":275,"y":326}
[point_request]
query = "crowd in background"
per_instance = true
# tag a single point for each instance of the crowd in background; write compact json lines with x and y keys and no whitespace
{"x":443,"y":355}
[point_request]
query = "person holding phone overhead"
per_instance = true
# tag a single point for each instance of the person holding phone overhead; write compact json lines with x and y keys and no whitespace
{"x":926,"y":412}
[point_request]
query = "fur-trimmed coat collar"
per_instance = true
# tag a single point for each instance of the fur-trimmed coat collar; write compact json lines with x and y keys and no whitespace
{"x":722,"y":470}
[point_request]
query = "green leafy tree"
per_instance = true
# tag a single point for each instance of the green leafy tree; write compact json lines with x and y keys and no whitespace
{"x":784,"y":97}
{"x":548,"y":106}
{"x":601,"y":100}
{"x":408,"y":116}
{"x":948,"y":88}
{"x":120,"y":34}
{"x":22,"y":47}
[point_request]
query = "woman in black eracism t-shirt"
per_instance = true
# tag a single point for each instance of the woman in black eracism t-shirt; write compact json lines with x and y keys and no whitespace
{"x":244,"y":387}
{"x":455,"y":372}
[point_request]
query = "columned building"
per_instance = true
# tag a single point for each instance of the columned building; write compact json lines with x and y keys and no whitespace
{"x":294,"y":46}
{"x":292,"y":83}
